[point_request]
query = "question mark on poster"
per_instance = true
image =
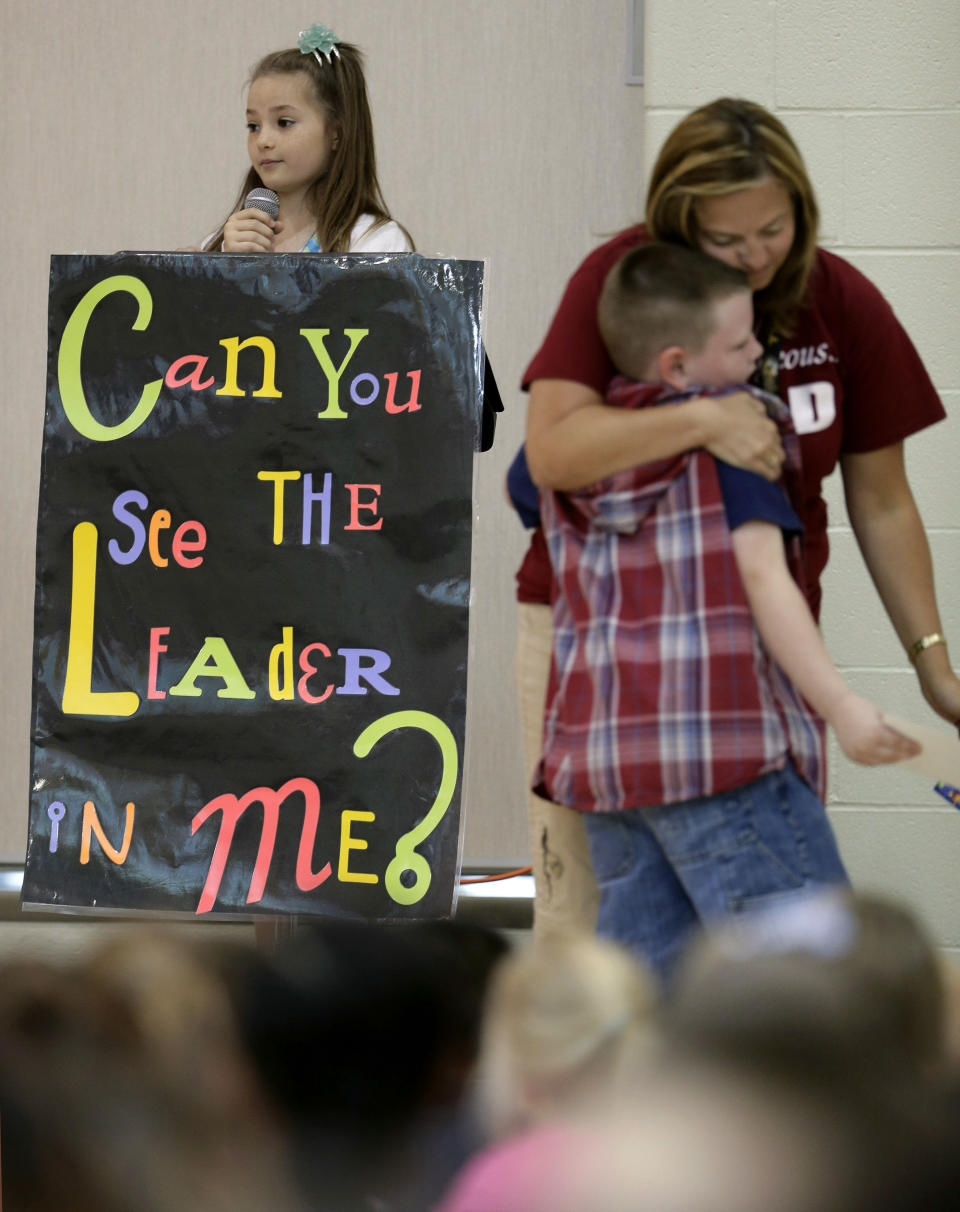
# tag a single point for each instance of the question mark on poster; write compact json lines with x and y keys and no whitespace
{"x":406,"y":858}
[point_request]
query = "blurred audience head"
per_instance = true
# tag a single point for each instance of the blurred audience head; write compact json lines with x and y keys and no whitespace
{"x":833,"y":978}
{"x":568,"y":1021}
{"x":705,"y":1136}
{"x":175,"y":994}
{"x":92,"y":1121}
{"x":362,"y":1034}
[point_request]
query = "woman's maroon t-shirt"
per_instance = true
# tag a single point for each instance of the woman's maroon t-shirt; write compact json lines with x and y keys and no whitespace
{"x":850,"y":375}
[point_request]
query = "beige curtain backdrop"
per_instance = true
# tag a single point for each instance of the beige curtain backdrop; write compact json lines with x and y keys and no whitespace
{"x":504,"y":132}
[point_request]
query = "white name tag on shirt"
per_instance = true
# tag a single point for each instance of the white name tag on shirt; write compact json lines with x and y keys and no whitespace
{"x":813,"y":406}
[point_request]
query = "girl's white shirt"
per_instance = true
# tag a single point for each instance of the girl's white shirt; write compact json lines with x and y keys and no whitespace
{"x":389,"y":237}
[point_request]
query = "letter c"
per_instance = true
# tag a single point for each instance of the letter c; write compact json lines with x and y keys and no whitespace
{"x":68,"y":362}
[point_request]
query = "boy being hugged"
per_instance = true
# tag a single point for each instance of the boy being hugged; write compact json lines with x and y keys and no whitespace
{"x":683,"y":648}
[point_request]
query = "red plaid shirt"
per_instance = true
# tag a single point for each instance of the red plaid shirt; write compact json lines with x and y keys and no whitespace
{"x":660,"y":688}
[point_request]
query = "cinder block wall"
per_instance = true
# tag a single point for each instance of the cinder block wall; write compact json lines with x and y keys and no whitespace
{"x":871,"y":92}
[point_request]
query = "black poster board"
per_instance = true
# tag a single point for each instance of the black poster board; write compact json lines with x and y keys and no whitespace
{"x":253,"y":578}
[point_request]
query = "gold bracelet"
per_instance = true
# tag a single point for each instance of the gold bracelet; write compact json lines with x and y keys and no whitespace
{"x":925,"y":642}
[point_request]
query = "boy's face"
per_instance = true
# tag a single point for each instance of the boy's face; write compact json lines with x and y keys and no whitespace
{"x":731,"y":351}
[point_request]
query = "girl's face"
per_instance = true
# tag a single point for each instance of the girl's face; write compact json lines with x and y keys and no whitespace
{"x":290,"y":137}
{"x":751,"y":229}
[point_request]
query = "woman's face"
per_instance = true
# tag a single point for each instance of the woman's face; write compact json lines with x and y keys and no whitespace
{"x":751,"y":229}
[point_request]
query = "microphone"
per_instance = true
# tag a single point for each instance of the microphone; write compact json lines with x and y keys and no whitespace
{"x":262,"y":199}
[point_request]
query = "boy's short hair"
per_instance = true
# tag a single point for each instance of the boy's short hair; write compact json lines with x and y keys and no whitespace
{"x":660,"y":295}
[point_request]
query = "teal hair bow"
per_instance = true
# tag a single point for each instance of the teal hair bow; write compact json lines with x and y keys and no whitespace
{"x":318,"y":40}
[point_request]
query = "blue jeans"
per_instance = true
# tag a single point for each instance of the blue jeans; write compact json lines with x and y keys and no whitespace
{"x":666,"y":870}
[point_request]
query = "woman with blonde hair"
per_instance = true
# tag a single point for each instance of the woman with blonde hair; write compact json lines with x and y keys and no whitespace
{"x":730,"y":181}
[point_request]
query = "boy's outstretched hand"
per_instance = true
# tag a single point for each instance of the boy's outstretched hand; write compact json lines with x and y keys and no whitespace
{"x":864,"y":737}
